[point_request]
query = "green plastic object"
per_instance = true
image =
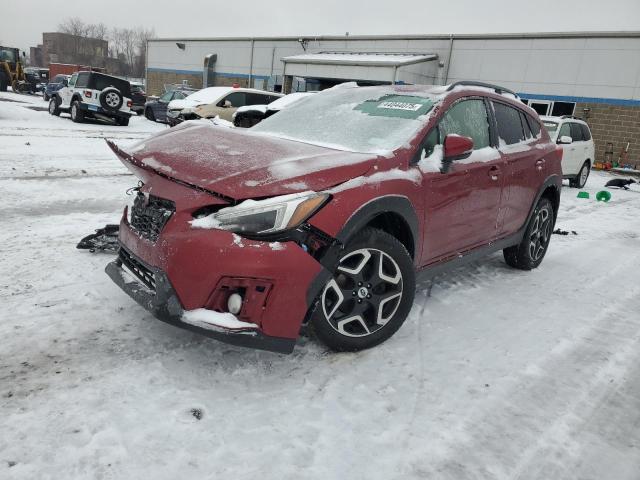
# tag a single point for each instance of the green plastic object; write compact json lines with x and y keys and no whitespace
{"x":583,"y":194}
{"x":603,"y":196}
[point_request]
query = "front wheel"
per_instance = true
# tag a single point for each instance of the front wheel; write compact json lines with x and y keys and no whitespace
{"x":369,"y":295}
{"x":54,"y":107}
{"x":77,"y":115}
{"x":533,"y":247}
{"x":581,"y":179}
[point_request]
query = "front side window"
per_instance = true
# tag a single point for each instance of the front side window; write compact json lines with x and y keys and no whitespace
{"x":467,"y":118}
{"x":237,"y":99}
{"x":82,"y":80}
{"x":509,"y":124}
{"x":576,"y":132}
{"x":565,"y":131}
{"x":72,"y":80}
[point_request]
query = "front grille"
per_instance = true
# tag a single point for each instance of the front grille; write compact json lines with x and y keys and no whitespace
{"x":138,"y":269}
{"x":148,"y":217}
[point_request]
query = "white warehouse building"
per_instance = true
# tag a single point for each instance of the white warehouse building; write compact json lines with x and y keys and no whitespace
{"x":594,"y":76}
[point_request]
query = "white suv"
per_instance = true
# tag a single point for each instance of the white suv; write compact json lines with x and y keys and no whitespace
{"x":94,"y":95}
{"x":216,"y":101}
{"x":578,"y":149}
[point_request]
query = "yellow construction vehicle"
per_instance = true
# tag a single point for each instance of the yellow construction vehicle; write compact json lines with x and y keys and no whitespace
{"x":11,"y":70}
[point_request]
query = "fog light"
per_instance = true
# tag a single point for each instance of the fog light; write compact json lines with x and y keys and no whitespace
{"x":234,"y":303}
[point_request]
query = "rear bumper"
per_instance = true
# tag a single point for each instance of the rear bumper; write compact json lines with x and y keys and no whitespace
{"x":109,"y":113}
{"x":164,"y":304}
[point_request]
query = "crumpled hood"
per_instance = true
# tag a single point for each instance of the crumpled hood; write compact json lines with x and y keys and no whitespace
{"x":240,"y":164}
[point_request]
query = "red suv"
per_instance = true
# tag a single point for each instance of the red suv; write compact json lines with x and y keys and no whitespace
{"x":325,"y":213}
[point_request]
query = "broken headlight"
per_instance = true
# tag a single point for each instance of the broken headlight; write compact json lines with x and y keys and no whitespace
{"x":261,"y":217}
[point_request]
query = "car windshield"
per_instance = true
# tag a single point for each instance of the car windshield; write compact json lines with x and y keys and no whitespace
{"x":368,"y":119}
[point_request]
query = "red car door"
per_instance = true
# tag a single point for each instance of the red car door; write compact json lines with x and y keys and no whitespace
{"x":463,"y":199}
{"x":524,"y":166}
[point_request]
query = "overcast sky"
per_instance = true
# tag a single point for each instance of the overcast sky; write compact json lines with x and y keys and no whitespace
{"x":24,"y":21}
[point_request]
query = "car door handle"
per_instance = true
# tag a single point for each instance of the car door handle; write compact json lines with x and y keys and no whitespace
{"x":540,"y":164}
{"x":494,"y":173}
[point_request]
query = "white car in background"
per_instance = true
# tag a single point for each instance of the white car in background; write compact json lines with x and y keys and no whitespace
{"x":575,"y":138}
{"x":216,"y":101}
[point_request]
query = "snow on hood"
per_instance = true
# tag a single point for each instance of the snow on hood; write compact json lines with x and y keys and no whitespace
{"x":240,"y":165}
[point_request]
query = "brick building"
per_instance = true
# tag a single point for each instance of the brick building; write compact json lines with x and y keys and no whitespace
{"x":592,"y":75}
{"x":60,"y":47}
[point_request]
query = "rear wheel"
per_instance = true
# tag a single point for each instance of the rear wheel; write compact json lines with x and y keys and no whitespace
{"x":533,"y":247}
{"x":54,"y":106}
{"x":77,"y":115}
{"x":369,"y":295}
{"x":581,"y":179}
{"x":122,"y":121}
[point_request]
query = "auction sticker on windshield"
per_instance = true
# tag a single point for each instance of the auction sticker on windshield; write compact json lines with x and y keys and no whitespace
{"x":403,"y":106}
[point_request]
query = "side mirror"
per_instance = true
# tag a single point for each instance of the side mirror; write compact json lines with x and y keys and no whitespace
{"x":565,"y":140}
{"x":457,"y":147}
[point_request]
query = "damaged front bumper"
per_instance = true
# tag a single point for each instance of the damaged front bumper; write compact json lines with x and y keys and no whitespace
{"x":151,"y":288}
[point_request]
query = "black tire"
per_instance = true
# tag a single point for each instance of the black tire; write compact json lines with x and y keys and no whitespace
{"x":45,"y":97}
{"x":535,"y":242}
{"x":3,"y":82}
{"x":581,"y":179}
{"x":122,"y":121}
{"x":372,"y":308}
{"x":77,"y":115}
{"x":54,"y":106}
{"x":111,"y":99}
{"x":149,"y":115}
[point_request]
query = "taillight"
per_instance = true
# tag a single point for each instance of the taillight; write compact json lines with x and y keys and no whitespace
{"x":129,"y":103}
{"x":87,"y":93}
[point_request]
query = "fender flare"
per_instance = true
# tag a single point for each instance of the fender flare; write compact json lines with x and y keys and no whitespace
{"x":397,"y":204}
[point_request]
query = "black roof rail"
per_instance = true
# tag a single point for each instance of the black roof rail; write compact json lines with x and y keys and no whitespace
{"x":570,"y":116}
{"x":471,"y":83}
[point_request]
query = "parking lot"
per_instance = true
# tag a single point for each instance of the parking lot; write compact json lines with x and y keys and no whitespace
{"x":497,"y":373}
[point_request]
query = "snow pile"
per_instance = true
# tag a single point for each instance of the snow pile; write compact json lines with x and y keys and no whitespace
{"x":204,"y":317}
{"x":433,"y":162}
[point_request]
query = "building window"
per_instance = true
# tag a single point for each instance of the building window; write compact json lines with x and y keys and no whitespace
{"x":562,"y":108}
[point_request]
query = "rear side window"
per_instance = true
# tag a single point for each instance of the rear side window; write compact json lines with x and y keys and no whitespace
{"x":586,"y":133}
{"x":509,"y":124}
{"x":576,"y":132}
{"x":100,"y":82}
{"x":469,"y":119}
{"x":258,"y":99}
{"x":525,"y":126}
{"x":83,"y":80}
{"x":534,"y":124}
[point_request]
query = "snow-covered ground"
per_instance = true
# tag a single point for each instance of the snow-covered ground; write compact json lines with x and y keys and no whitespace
{"x":499,"y":374}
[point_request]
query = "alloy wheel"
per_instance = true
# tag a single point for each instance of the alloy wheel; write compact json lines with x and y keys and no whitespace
{"x":112,"y":99}
{"x":584,"y":174}
{"x":540,"y":234}
{"x":364,"y":293}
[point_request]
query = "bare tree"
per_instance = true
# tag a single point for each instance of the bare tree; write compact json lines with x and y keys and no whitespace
{"x":143,"y":35}
{"x":97,"y":30}
{"x":73,"y":26}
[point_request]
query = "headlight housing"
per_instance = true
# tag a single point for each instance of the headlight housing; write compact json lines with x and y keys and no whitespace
{"x":263,"y":217}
